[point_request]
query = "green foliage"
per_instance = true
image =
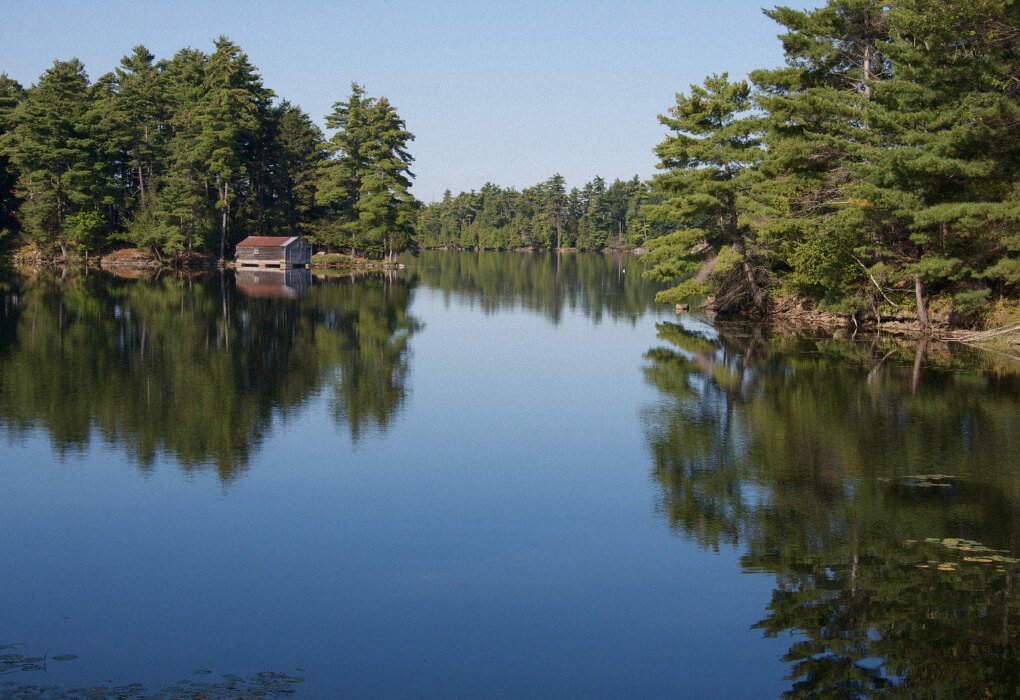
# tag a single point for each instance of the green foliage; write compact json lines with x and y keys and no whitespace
{"x":882,"y":155}
{"x":542,"y":217}
{"x":888,"y":142}
{"x":84,"y":230}
{"x":365,"y":185}
{"x":972,"y":300}
{"x":709,"y":161}
{"x":11,"y":94}
{"x":183,"y":154}
{"x":51,"y":144}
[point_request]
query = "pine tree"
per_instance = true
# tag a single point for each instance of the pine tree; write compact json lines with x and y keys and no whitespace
{"x":947,"y":159}
{"x":139,"y":117}
{"x":296,"y":150}
{"x":11,"y":95}
{"x":229,"y":119}
{"x":556,"y":205}
{"x":366,"y":184}
{"x":181,"y":214}
{"x":708,"y":164}
{"x":52,"y":147}
{"x":809,"y":205}
{"x":892,"y":152}
{"x":592,"y":215}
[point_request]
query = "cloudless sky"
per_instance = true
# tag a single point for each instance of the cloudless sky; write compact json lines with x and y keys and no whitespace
{"x":506,"y":92}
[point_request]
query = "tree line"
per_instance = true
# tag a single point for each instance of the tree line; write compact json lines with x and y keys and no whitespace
{"x":195,"y":153}
{"x":543,"y":217}
{"x":878,"y":168}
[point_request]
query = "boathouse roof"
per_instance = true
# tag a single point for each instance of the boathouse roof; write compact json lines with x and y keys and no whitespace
{"x":268,"y":241}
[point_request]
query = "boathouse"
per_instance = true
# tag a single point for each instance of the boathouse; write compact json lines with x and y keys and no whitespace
{"x":273,"y":251}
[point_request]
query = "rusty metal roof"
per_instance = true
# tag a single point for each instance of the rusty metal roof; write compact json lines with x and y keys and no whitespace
{"x":267,"y":241}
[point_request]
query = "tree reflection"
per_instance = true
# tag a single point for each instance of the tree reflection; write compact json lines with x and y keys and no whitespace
{"x":881,"y":489}
{"x":189,"y":368}
{"x":599,"y":285}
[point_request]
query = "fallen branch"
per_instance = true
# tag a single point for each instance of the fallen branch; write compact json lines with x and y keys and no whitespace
{"x":875,"y":281}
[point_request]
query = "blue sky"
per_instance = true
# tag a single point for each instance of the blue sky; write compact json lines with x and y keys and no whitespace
{"x":506,"y":92}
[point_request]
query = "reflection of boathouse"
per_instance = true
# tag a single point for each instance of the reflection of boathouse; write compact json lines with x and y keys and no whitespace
{"x":270,"y":283}
{"x":273,"y":251}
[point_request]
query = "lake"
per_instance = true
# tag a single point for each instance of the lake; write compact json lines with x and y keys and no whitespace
{"x":490,"y":475}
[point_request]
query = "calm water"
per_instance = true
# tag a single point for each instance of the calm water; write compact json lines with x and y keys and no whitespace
{"x":491,"y":475}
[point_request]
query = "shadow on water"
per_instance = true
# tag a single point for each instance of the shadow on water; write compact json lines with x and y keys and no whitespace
{"x":197,"y":368}
{"x":878,"y":482}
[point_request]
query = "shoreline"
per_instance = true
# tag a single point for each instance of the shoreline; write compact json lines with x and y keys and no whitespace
{"x":789,"y":313}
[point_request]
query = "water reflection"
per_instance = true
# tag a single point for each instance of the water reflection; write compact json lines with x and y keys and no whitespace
{"x":189,"y":367}
{"x":273,"y":283}
{"x":600,"y":285}
{"x":879,"y":485}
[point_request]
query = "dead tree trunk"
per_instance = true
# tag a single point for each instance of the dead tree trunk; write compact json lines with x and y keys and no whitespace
{"x":922,"y":312}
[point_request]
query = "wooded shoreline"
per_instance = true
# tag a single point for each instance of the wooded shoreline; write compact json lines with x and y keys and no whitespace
{"x":792,"y":314}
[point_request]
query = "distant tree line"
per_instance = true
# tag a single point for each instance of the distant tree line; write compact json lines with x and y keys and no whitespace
{"x":879,"y":168}
{"x":542,"y":217}
{"x":195,"y":152}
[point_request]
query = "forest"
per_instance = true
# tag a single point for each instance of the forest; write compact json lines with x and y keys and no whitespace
{"x":544,"y":217}
{"x":876,"y":170}
{"x":876,"y":173}
{"x":191,"y":154}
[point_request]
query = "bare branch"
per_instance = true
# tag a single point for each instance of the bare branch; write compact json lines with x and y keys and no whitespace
{"x":877,"y":285}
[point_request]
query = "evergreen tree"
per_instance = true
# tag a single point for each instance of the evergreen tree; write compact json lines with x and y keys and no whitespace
{"x":182,"y":215}
{"x":11,"y":94}
{"x":229,"y":118}
{"x":616,"y":205}
{"x":592,"y":215}
{"x":139,"y":117}
{"x":51,"y":145}
{"x":810,"y":204}
{"x":297,"y":148}
{"x":366,"y":184}
{"x":555,"y":208}
{"x":946,"y":162}
{"x":892,"y":152}
{"x":708,"y":164}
